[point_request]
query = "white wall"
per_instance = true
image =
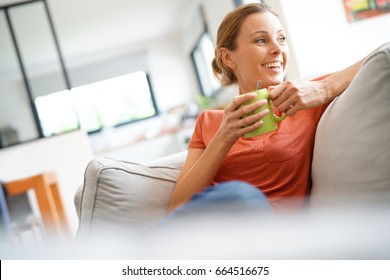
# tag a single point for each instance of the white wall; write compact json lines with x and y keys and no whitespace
{"x":67,"y":155}
{"x":215,"y":11}
{"x":172,"y":75}
{"x":321,"y":38}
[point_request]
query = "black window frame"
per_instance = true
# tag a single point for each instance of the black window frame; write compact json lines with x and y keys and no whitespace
{"x":195,"y":65}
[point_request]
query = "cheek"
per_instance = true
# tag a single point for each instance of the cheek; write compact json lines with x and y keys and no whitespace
{"x":245,"y":64}
{"x":285,"y":58}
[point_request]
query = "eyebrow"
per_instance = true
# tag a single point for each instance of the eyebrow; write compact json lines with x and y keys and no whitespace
{"x":266,"y":32}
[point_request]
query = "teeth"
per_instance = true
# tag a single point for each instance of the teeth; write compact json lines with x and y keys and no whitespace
{"x":273,"y":64}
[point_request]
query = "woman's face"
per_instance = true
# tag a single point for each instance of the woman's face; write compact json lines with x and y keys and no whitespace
{"x":261,"y":52}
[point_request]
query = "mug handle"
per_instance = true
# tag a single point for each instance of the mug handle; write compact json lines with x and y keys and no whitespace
{"x":278,"y":119}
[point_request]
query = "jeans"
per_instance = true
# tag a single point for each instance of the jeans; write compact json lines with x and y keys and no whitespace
{"x":230,"y":202}
{"x":235,"y":197}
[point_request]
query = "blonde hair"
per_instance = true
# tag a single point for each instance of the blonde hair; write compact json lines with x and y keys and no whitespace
{"x":227,"y":36}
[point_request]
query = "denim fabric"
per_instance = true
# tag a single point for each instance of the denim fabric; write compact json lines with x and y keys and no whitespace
{"x":234,"y":197}
{"x":233,"y":205}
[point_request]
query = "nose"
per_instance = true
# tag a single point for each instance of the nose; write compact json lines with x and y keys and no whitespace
{"x":275,"y":47}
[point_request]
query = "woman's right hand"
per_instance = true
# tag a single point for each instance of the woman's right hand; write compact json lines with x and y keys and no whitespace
{"x":233,"y":126}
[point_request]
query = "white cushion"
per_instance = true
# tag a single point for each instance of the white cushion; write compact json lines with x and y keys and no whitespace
{"x":351,"y":161}
{"x":125,"y":196}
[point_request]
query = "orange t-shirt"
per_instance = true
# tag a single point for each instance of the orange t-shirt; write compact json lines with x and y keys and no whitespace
{"x":277,"y":162}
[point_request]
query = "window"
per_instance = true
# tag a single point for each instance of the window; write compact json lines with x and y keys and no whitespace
{"x":56,"y":113}
{"x":107,"y":103}
{"x":202,"y":56}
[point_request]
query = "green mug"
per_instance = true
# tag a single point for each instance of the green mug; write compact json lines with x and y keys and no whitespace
{"x":269,"y":121}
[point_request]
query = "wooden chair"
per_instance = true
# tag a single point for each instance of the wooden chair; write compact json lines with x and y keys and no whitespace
{"x":49,"y":201}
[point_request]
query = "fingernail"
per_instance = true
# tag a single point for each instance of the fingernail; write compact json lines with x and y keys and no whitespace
{"x":260,"y":103}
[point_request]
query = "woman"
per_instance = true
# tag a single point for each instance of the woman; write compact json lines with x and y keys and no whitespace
{"x":251,"y":46}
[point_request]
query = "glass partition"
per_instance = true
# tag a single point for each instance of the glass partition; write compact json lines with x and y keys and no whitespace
{"x":31,"y":67}
{"x":37,"y":48}
{"x":16,"y":115}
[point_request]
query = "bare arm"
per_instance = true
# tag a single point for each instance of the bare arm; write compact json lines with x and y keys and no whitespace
{"x":202,"y":164}
{"x":292,"y":96}
{"x":198,"y":172}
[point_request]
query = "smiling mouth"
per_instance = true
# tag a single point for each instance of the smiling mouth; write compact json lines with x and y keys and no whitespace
{"x":273,"y":64}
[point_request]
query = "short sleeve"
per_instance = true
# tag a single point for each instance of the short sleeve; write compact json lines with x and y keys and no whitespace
{"x":197,"y":140}
{"x":206,"y":127}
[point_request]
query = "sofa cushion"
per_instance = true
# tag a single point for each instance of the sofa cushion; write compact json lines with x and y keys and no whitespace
{"x":119,"y":196}
{"x":351,"y":161}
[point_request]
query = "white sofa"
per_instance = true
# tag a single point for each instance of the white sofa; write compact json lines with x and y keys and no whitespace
{"x":351,"y":164}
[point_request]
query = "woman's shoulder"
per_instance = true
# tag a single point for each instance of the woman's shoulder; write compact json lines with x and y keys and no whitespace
{"x":210,"y":119}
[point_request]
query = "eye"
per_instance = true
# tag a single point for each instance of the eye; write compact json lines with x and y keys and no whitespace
{"x":260,"y":40}
{"x":282,"y":39}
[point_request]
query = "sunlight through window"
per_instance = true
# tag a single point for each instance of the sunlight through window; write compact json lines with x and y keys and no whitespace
{"x":102,"y":104}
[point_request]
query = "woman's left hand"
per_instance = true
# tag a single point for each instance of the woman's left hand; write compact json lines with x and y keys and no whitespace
{"x":292,"y":96}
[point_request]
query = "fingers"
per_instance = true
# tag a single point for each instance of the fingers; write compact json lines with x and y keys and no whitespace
{"x":253,"y":116}
{"x":276,"y":91}
{"x":291,"y":110}
{"x":235,"y":124}
{"x":279,"y":94}
{"x":250,"y":123}
{"x":284,"y":96}
{"x":236,"y":109}
{"x":247,"y":109}
{"x":240,"y":99}
{"x":250,"y":119}
{"x":286,"y":106}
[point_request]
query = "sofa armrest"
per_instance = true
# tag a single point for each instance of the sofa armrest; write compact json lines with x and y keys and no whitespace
{"x":125,"y":196}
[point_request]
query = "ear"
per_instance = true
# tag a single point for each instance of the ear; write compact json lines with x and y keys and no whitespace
{"x":227,"y":58}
